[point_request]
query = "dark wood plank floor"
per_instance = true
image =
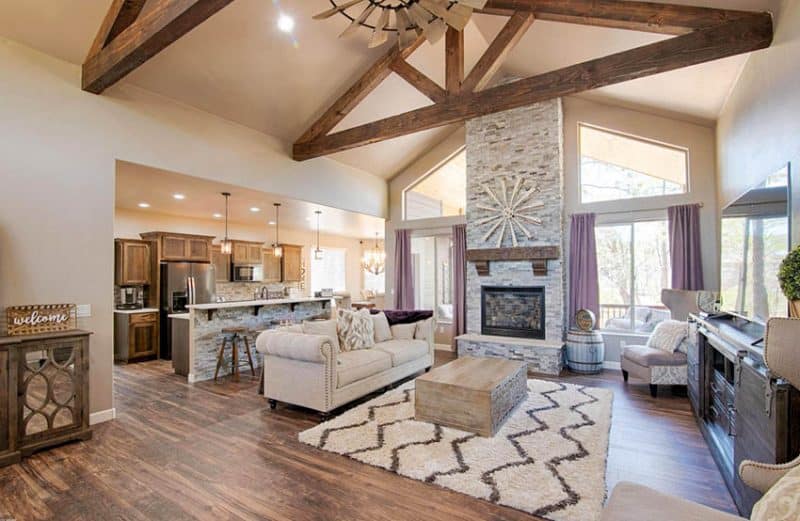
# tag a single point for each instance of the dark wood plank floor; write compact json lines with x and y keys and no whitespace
{"x":216,"y":451}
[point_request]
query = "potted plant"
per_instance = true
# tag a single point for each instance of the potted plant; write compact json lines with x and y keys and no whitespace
{"x":789,"y":278}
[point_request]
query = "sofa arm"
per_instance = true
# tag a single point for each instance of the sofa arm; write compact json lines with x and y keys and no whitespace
{"x":762,"y":476}
{"x":296,"y":346}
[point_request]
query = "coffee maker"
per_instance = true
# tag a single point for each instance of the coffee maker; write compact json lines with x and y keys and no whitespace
{"x":131,"y":297}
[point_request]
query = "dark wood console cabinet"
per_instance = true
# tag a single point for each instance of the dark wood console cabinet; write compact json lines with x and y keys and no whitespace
{"x":743,"y":411}
{"x":44,"y":392}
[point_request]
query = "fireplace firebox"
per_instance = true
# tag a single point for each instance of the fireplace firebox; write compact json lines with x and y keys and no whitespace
{"x":514,"y":311}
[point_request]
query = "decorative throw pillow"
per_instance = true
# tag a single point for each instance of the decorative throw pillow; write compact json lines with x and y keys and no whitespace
{"x":356,"y":330}
{"x":382,"y":330}
{"x":782,"y":501}
{"x":323,"y":327}
{"x":668,"y":335}
{"x":423,"y":329}
{"x":404,"y":331}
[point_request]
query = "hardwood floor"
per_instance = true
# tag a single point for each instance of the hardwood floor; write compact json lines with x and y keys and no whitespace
{"x":216,"y":451}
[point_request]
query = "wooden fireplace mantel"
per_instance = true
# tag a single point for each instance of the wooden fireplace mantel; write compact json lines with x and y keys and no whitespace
{"x":538,"y":255}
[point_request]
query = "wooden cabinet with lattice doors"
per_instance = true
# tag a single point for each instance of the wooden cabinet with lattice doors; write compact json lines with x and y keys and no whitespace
{"x":50,"y":374}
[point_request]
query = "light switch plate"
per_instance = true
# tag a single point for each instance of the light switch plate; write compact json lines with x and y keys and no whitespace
{"x":84,"y":310}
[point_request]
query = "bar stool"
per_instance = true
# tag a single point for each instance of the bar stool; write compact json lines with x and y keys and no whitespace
{"x":233,"y":334}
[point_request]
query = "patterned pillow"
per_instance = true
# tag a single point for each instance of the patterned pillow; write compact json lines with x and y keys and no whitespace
{"x":356,"y":329}
{"x":668,"y":335}
{"x":782,"y":501}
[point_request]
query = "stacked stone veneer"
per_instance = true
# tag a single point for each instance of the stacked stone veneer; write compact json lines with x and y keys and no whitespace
{"x":525,"y":142}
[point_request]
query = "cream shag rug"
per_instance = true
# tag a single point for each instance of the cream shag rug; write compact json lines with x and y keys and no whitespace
{"x":549,"y":458}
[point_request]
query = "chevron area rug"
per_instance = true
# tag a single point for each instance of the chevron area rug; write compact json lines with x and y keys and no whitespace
{"x":549,"y":459}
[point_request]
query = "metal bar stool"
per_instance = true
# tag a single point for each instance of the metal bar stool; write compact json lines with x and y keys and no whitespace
{"x":232,"y":334}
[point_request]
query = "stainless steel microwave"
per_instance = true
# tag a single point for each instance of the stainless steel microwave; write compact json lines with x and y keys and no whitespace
{"x":247,"y":273}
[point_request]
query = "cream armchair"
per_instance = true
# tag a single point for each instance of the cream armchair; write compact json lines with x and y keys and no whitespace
{"x":631,"y":502}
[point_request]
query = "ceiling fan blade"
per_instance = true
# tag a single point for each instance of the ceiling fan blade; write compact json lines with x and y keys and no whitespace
{"x":475,"y":4}
{"x":379,"y":36}
{"x":453,"y":18}
{"x":420,"y":16}
{"x":355,"y":24}
{"x":330,"y":12}
{"x":435,"y":30}
{"x":405,"y":35}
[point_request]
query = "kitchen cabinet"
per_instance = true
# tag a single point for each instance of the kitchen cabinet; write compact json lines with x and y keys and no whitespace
{"x":222,"y":264}
{"x":272,"y":266}
{"x":132,"y":262}
{"x":292,"y":263}
{"x":246,"y":252}
{"x":181,"y":246}
{"x":135,"y":336}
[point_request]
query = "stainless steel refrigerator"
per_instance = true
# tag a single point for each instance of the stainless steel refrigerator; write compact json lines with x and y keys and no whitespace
{"x":182,"y":284}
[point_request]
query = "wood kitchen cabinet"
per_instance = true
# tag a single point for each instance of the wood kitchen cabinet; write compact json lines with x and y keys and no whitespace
{"x":132,"y":262}
{"x":222,"y":264}
{"x":272,"y":266}
{"x":135,"y":336}
{"x":292,"y":263}
{"x":181,"y":246}
{"x":246,"y":252}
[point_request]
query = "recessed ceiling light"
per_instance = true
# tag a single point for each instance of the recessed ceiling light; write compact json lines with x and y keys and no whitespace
{"x":285,"y":23}
{"x":272,"y":223}
{"x":179,"y":197}
{"x":255,"y":209}
{"x":144,"y":205}
{"x":217,"y":216}
{"x":308,"y":218}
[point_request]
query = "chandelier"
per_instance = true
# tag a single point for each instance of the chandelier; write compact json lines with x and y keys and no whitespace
{"x":407,"y":18}
{"x":374,"y":260}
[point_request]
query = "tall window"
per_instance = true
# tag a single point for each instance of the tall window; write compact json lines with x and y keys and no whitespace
{"x":615,"y":166}
{"x":633,"y":266}
{"x":330,"y":271}
{"x":441,"y":193}
{"x":376,"y":283}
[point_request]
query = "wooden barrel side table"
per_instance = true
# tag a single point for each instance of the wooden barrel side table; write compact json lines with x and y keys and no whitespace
{"x":585,"y":351}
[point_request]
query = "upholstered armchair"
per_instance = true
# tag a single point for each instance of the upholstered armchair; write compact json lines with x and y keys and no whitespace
{"x":632,"y":502}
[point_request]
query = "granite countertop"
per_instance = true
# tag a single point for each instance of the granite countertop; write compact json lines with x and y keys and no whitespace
{"x":180,"y":316}
{"x":250,"y":303}
{"x":135,"y":311}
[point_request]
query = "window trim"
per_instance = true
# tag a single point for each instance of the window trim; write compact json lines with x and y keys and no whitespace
{"x":422,"y":178}
{"x":635,"y":137}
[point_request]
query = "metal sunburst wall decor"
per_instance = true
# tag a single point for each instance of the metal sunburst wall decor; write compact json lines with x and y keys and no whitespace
{"x":510,"y":209}
{"x":407,"y":18}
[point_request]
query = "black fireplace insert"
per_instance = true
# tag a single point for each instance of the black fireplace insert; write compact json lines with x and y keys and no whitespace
{"x":515,"y":311}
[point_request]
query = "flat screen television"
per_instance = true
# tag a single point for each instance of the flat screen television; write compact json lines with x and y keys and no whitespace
{"x":754,"y":240}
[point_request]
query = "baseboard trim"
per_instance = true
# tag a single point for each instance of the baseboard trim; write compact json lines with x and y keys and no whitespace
{"x":612,"y":365}
{"x":443,"y":347}
{"x":102,"y":416}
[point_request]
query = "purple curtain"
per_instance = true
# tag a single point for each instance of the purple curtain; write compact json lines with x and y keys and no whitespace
{"x":403,"y":271}
{"x":459,"y":280}
{"x":583,"y":290}
{"x":684,"y":246}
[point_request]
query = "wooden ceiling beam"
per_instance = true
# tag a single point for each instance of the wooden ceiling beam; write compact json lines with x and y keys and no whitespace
{"x":728,"y":39}
{"x":491,"y":60}
{"x":164,"y":23}
{"x":419,"y":80}
{"x":121,"y":14}
{"x":454,"y":60}
{"x":634,"y":15}
{"x":359,"y":90}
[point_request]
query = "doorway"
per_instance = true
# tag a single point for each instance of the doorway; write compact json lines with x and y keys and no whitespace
{"x":432,"y":259}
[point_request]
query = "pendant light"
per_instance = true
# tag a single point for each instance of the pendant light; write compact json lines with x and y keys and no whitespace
{"x":318,"y":253}
{"x":374,"y":261}
{"x":277,"y":249}
{"x":226,"y":246}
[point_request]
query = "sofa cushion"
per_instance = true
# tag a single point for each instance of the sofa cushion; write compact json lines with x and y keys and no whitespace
{"x":356,"y":329}
{"x":668,"y":335}
{"x":323,"y":327}
{"x":403,"y":351}
{"x":404,"y":331}
{"x":424,"y":329}
{"x":649,"y":357}
{"x":632,"y":502}
{"x":382,"y":330}
{"x":782,"y":500}
{"x":353,"y":366}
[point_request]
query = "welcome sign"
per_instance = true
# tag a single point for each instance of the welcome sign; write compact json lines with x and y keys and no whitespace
{"x":44,"y":318}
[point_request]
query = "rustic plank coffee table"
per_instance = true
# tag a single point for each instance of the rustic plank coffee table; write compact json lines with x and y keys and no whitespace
{"x":471,"y":394}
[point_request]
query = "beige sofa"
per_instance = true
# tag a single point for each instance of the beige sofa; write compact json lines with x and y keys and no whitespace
{"x":307,"y":370}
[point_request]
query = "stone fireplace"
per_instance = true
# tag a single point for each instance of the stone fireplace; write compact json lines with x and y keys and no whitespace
{"x":513,"y":311}
{"x":515,"y":223}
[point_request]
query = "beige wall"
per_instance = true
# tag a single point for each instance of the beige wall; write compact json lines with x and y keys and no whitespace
{"x":759,"y":129}
{"x":59,"y":146}
{"x":128,"y":224}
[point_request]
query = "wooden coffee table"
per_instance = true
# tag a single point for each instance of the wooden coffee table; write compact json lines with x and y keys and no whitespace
{"x":471,"y":394}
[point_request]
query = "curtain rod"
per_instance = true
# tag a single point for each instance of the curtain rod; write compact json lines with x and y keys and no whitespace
{"x":638,"y":210}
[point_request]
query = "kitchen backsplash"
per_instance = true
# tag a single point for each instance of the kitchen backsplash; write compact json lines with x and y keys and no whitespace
{"x":246,"y":290}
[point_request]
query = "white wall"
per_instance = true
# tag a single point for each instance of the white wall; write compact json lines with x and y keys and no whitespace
{"x":59,"y":146}
{"x":759,"y":129}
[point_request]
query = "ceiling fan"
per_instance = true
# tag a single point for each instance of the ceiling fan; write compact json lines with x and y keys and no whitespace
{"x":408,"y":18}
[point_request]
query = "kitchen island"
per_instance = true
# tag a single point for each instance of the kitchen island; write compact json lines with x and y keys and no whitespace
{"x":206,"y":322}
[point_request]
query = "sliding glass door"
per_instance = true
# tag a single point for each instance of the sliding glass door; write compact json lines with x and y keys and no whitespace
{"x":432,"y":258}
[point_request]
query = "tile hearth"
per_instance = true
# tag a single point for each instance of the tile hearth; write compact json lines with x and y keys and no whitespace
{"x":542,"y":356}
